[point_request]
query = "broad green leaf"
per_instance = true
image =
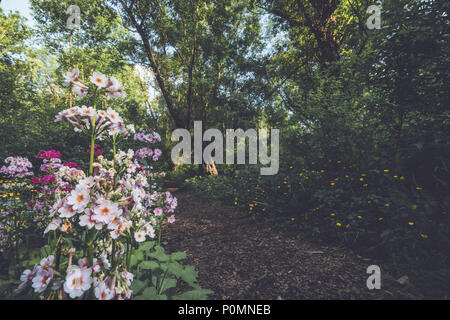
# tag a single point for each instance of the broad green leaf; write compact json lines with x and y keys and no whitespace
{"x":168,"y":283}
{"x":151,"y":294}
{"x":148,"y":265}
{"x":160,"y":255}
{"x":138,"y":285}
{"x":147,"y":245}
{"x":189,"y":274}
{"x":178,"y":255}
{"x":197,"y":294}
{"x":175,"y":268}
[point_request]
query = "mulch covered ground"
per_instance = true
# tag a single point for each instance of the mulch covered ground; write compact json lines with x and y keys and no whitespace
{"x":239,"y":258}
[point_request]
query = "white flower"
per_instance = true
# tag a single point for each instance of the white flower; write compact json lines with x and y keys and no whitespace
{"x":53,"y":225}
{"x":171,"y":219}
{"x":66,"y":211}
{"x":105,"y":211}
{"x":99,"y":79}
{"x":86,"y":182}
{"x":101,"y":113}
{"x":139,"y":236}
{"x":105,"y":261}
{"x":72,"y":112}
{"x":70,"y":76}
{"x":102,"y":292}
{"x":95,"y":266}
{"x":115,"y":233}
{"x":42,"y":279}
{"x":114,"y":223}
{"x":113,"y":116}
{"x":130,"y":128}
{"x":87,"y":111}
{"x":113,"y":130}
{"x":87,"y":221}
{"x":150,"y":231}
{"x":138,"y":194}
{"x":79,"y":198}
{"x":26,"y":276}
{"x":77,"y":281}
{"x":80,"y":90}
{"x":128,"y":276}
{"x":47,"y":262}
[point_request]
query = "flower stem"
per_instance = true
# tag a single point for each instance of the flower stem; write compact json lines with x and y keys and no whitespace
{"x":91,"y":160}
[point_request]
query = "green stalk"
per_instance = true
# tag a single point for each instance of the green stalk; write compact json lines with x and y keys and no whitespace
{"x":114,"y":148}
{"x":114,"y":158}
{"x":91,"y":160}
{"x":159,"y":235}
{"x":113,"y":261}
{"x":129,"y":252}
{"x":58,"y":252}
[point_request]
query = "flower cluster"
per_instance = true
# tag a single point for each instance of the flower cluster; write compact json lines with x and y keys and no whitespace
{"x":41,"y":275}
{"x":18,"y":167}
{"x":97,"y":151}
{"x":105,"y":213}
{"x":120,"y":203}
{"x":50,"y":154}
{"x":46,"y":179}
{"x":78,"y":280}
{"x":113,"y":200}
{"x":113,"y":87}
{"x":147,"y":137}
{"x":105,"y":120}
{"x":146,"y":152}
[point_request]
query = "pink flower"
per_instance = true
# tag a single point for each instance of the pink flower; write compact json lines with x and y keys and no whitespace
{"x":79,"y":198}
{"x":102,"y":292}
{"x":53,"y":225}
{"x":78,"y":281}
{"x":105,"y":211}
{"x":87,"y":221}
{"x":70,"y":76}
{"x":42,"y":280}
{"x":158,"y":212}
{"x":80,"y":90}
{"x":36,"y":180}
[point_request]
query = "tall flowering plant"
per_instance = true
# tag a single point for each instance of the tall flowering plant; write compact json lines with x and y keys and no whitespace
{"x":14,"y":213}
{"x":97,"y":218}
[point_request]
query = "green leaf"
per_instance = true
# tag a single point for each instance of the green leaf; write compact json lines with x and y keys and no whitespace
{"x":148,"y":265}
{"x":168,"y":283}
{"x":197,"y":294}
{"x":175,"y":268}
{"x":133,"y":260}
{"x":178,"y":255}
{"x":45,"y":251}
{"x":139,"y":255}
{"x":189,"y":275}
{"x":151,"y":294}
{"x":159,"y":254}
{"x":138,"y":285}
{"x":147,"y":245}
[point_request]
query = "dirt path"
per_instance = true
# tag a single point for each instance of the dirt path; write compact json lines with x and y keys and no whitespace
{"x":240,"y":259}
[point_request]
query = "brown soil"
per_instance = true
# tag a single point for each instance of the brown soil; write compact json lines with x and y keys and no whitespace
{"x":239,"y":258}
